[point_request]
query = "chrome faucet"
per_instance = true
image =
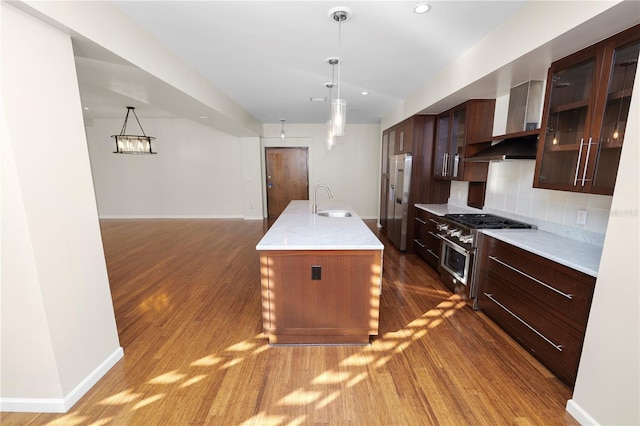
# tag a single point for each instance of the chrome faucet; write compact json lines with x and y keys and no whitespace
{"x":315,"y":194}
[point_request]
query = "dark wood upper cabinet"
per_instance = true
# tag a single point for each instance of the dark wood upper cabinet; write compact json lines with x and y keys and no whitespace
{"x":585,"y":113}
{"x":462,"y":131}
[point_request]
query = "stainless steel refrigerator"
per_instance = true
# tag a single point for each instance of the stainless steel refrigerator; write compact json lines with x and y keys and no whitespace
{"x":398,"y":201}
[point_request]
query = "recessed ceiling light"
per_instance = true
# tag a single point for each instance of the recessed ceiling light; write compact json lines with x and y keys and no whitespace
{"x":421,"y":8}
{"x":86,"y":108}
{"x":365,"y":93}
{"x":203,"y":117}
{"x":318,"y":99}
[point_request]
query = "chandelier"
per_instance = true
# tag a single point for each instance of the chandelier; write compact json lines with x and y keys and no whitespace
{"x":132,"y":144}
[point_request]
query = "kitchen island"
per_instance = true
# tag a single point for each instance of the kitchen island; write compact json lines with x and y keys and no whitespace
{"x":321,"y":277}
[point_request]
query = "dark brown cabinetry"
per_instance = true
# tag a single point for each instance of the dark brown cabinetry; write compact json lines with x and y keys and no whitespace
{"x":426,"y":241}
{"x":586,"y":107}
{"x":462,"y":131}
{"x":541,"y":304}
{"x":414,"y":135}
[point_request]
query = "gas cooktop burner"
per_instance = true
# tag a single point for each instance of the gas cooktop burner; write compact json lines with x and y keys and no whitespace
{"x":486,"y":221}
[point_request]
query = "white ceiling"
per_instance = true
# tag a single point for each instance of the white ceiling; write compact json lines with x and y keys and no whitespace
{"x":270,"y":56}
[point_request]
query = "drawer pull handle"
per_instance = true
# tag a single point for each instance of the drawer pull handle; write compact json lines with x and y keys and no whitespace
{"x":419,"y":243}
{"x":433,"y":234}
{"x":421,"y":221}
{"x":434,"y":221}
{"x":557,"y":347}
{"x":434,"y":254}
{"x":568,"y":296}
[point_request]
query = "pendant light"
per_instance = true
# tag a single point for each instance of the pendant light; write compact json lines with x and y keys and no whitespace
{"x":339,"y":14}
{"x":616,"y":130}
{"x":282,"y":132}
{"x":331,"y":140}
{"x":132,"y":144}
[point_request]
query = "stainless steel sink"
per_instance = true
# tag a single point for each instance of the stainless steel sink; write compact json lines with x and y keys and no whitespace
{"x":334,"y":213}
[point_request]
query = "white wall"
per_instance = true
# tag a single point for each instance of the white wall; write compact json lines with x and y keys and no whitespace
{"x":351,"y":169}
{"x":198,"y":171}
{"x":58,"y":328}
{"x":251,"y":178}
{"x":607,"y":388}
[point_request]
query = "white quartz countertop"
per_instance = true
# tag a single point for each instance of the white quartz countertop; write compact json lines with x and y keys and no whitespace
{"x":298,"y":228}
{"x":574,"y":254}
{"x":442,"y":209}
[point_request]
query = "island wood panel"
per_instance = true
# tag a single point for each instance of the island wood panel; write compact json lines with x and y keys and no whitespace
{"x":340,"y":307}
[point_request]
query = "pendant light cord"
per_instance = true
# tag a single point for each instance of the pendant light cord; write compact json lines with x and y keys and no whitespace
{"x":126,"y":119}
{"x":339,"y":52}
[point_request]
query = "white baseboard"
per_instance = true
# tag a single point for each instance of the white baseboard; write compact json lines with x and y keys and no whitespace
{"x":168,"y":216}
{"x":579,"y":414}
{"x":61,"y":405}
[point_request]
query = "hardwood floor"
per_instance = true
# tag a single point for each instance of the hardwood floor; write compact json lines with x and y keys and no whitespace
{"x":186,"y":295}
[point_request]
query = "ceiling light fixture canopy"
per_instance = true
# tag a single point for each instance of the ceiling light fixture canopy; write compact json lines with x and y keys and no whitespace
{"x":132,"y":144}
{"x":339,"y":14}
{"x":421,"y":8}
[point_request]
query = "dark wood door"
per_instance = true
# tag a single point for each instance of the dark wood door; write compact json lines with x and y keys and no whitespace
{"x":287,"y":177}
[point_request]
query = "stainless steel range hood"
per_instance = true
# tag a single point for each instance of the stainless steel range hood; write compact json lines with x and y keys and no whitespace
{"x":521,"y":140}
{"x":515,"y":147}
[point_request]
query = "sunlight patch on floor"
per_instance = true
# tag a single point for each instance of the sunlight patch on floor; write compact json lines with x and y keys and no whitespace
{"x":328,"y":400}
{"x":148,"y":401}
{"x":357,"y":379}
{"x":166,"y":378}
{"x":263,"y":419}
{"x":123,"y":397}
{"x":300,"y":397}
{"x":101,"y":422}
{"x":193,"y":380}
{"x":232,"y":362}
{"x":358,"y":359}
{"x":70,"y":419}
{"x":207,"y":361}
{"x":241,"y":346}
{"x":329,"y":377}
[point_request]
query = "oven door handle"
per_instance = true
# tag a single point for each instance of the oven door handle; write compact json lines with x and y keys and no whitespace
{"x":455,"y":246}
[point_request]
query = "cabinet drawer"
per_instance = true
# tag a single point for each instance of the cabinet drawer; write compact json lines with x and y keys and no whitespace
{"x":564,"y":292}
{"x":426,"y":219}
{"x":432,"y":257}
{"x":426,"y":242}
{"x":556,"y":345}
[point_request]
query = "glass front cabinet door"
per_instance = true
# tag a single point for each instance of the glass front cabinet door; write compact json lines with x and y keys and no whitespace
{"x":442,"y":149}
{"x":587,"y":104}
{"x":614,"y":117}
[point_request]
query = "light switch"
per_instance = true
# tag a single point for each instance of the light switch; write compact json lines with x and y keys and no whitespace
{"x":316,"y":272}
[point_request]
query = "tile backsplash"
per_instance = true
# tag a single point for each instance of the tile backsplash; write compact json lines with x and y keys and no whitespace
{"x":510,"y":192}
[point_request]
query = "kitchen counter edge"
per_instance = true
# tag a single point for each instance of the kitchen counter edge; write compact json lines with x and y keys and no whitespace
{"x":571,"y":253}
{"x":298,"y":228}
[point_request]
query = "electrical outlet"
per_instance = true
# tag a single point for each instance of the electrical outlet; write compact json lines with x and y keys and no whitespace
{"x":582,"y":217}
{"x":316,"y":273}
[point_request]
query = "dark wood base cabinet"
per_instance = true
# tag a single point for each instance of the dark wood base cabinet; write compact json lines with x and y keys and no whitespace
{"x":426,"y":242}
{"x":543,"y":305}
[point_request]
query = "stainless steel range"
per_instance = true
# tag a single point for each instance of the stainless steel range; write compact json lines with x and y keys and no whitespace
{"x":460,"y":240}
